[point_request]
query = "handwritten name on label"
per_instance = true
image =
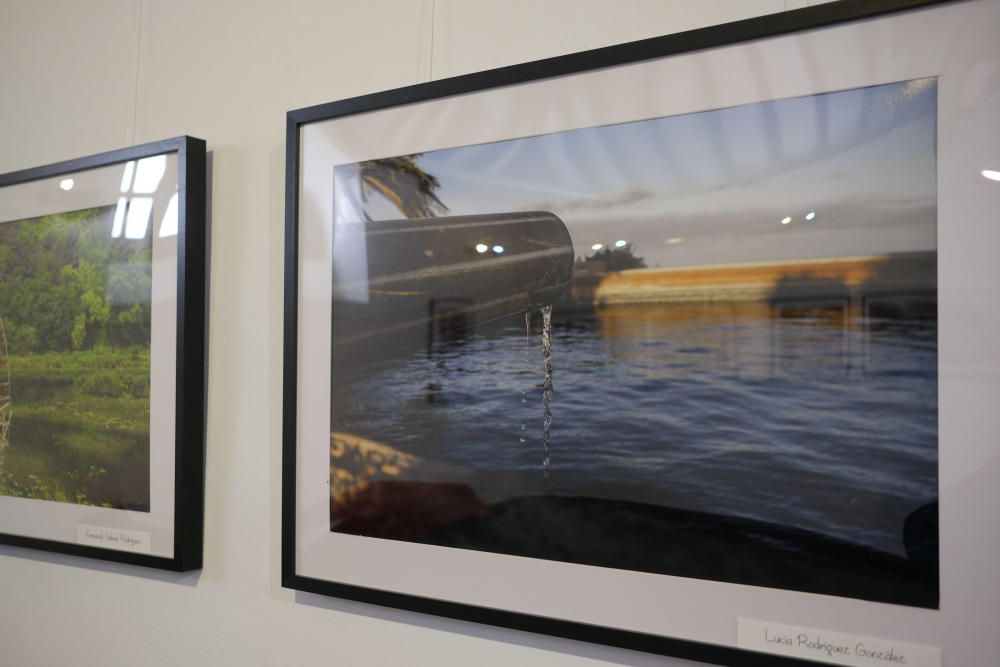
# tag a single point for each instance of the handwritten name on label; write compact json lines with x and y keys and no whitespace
{"x":114,"y":538}
{"x":832,"y":647}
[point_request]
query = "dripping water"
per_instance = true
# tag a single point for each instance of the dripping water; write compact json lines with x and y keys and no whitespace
{"x":546,"y":390}
{"x":524,"y":392}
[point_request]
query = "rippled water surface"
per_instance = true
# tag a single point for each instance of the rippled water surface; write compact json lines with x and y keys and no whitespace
{"x":816,"y":419}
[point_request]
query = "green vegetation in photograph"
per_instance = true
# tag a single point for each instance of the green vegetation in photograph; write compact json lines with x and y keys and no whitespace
{"x":75,"y":308}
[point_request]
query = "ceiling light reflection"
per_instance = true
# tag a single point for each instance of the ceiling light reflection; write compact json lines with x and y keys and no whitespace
{"x":116,"y":226}
{"x":620,"y":243}
{"x":991,"y":174}
{"x":148,"y":173}
{"x":168,"y":226}
{"x":597,"y":246}
{"x":675,"y":240}
{"x":137,"y":220}
{"x":66,"y":184}
{"x":127,"y":176}
{"x":498,"y":249}
{"x":786,"y":220}
{"x":481,"y":248}
{"x":810,"y":215}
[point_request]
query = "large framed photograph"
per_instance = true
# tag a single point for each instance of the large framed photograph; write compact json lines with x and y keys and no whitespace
{"x":102,"y":350}
{"x":685,"y":345}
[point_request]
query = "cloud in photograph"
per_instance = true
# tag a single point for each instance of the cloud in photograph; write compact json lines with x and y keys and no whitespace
{"x":623,"y":198}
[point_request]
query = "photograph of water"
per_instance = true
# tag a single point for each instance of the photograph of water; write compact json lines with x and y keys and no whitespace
{"x":75,"y":333}
{"x":700,"y":346}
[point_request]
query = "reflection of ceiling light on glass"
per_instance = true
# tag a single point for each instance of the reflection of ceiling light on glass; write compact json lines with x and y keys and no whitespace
{"x":498,"y":249}
{"x":786,"y":220}
{"x":168,"y":226}
{"x":597,"y":246}
{"x":620,"y":243}
{"x":148,"y":173}
{"x":66,"y":184}
{"x":990,"y":174}
{"x":116,"y":227}
{"x":481,"y":248}
{"x":137,"y":219}
{"x":127,"y":176}
{"x":675,"y":240}
{"x":810,"y":215}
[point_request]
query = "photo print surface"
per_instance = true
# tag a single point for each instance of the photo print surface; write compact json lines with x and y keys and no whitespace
{"x":701,"y":345}
{"x":75,"y":328}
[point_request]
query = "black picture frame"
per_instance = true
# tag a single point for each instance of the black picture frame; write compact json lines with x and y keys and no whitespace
{"x":189,"y":412}
{"x":740,"y":32}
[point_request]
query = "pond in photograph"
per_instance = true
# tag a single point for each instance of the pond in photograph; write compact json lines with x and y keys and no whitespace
{"x":702,"y":345}
{"x":74,"y":360}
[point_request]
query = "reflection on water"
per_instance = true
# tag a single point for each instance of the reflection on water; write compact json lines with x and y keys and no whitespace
{"x":817,"y":416}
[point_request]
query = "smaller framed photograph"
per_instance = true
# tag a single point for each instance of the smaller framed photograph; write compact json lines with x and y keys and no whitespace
{"x":102,"y":351}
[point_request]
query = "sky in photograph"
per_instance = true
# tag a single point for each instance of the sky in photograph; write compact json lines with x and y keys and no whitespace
{"x":713,"y":187}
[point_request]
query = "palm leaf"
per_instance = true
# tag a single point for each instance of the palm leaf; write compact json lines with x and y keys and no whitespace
{"x":402,"y":182}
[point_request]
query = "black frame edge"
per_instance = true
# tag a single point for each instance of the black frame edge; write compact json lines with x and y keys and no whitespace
{"x":723,"y":34}
{"x":190,"y":371}
{"x":93,"y":161}
{"x":189,"y":428}
{"x":289,"y":404}
{"x":573,"y":630}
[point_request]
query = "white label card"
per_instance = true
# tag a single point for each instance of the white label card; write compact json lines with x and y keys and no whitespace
{"x":136,"y":541}
{"x":832,"y":647}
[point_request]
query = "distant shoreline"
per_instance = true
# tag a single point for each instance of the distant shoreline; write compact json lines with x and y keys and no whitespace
{"x":848,"y":279}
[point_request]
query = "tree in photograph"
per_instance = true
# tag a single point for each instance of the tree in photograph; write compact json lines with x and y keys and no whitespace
{"x":72,"y":286}
{"x":5,"y":396}
{"x":404,"y":184}
{"x":608,"y":260}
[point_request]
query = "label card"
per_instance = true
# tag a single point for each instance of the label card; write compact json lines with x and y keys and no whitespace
{"x":114,"y":538}
{"x":832,"y":647}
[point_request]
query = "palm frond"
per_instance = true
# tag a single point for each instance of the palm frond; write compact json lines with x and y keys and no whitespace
{"x":404,"y":184}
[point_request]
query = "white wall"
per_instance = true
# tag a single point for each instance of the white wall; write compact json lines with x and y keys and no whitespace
{"x":80,"y":77}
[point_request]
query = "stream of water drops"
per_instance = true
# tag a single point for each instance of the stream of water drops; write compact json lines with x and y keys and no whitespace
{"x":546,"y":391}
{"x":524,"y":392}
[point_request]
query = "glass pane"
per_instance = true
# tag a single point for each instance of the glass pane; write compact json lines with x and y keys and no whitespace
{"x":701,"y":345}
{"x":76,"y":268}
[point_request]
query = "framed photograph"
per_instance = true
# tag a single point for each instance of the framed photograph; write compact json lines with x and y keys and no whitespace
{"x":102,"y":355}
{"x":685,"y":345}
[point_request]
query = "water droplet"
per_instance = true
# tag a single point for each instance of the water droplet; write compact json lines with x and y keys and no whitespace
{"x":546,"y":391}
